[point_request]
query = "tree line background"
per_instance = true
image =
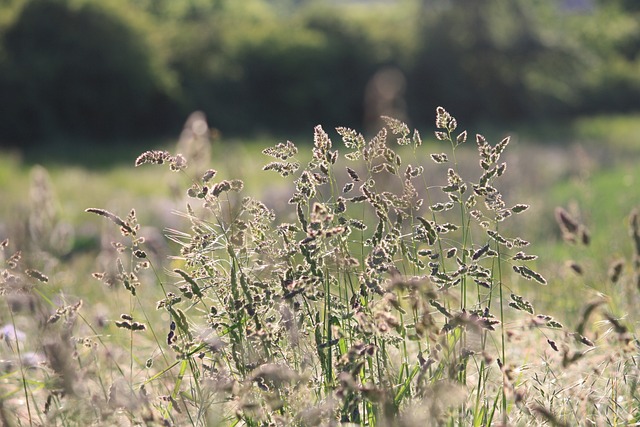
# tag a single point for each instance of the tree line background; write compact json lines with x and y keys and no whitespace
{"x":123,"y":69}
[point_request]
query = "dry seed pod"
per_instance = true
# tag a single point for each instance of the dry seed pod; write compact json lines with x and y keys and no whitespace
{"x":577,"y":268}
{"x":568,"y":225}
{"x":615,"y":270}
{"x":634,"y":228}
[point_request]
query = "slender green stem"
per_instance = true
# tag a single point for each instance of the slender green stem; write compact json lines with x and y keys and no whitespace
{"x":22,"y":371}
{"x":502,"y":329}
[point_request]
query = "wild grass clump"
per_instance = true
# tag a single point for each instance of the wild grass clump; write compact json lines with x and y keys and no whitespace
{"x":377,"y":298}
{"x":373,"y":293}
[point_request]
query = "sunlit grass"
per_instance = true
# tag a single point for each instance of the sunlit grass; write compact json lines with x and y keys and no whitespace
{"x":186,"y":371}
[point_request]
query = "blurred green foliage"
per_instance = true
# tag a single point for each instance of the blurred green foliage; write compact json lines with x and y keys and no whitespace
{"x":120,"y":69}
{"x":81,"y":69}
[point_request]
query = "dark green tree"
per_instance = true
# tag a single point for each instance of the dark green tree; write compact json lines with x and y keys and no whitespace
{"x":490,"y":58}
{"x":81,"y":70}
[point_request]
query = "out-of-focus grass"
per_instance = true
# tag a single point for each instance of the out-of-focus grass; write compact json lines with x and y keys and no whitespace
{"x":119,"y":185}
{"x":620,"y":132}
{"x":602,"y":202}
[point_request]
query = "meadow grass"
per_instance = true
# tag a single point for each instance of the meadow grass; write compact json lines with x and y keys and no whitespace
{"x":382,"y":282}
{"x":619,"y":131}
